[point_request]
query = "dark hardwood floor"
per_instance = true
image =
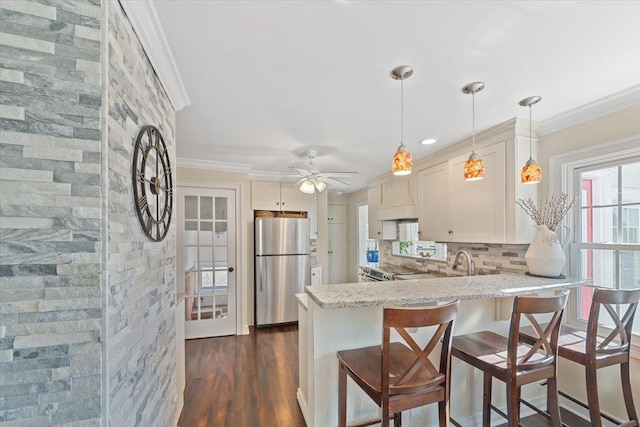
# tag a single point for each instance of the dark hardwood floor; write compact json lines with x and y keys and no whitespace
{"x":243,"y":381}
{"x":251,"y":381}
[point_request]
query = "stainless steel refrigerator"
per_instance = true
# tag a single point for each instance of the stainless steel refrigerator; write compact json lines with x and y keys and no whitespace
{"x":281,"y":268}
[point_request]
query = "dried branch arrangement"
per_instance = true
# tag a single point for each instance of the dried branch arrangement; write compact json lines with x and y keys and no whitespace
{"x":551,"y":211}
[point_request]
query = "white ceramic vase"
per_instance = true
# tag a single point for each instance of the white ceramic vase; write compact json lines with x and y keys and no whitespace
{"x":545,"y":256}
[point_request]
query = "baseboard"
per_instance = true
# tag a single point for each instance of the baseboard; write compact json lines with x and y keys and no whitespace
{"x":303,"y":406}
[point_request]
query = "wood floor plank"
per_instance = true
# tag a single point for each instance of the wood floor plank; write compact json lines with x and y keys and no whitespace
{"x":243,"y":381}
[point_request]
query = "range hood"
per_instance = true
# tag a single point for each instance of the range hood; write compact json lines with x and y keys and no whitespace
{"x":397,"y":201}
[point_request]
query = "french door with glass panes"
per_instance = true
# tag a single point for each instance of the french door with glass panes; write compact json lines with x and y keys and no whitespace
{"x":206,"y":260}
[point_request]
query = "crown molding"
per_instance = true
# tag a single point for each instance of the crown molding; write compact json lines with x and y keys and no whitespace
{"x":609,"y":104}
{"x":213,"y":165}
{"x":147,"y":26}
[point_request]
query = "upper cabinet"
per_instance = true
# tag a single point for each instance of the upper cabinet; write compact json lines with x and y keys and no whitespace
{"x":451,"y":209}
{"x":337,"y":214}
{"x":433,"y":202}
{"x":276,"y":196}
{"x":374,"y":198}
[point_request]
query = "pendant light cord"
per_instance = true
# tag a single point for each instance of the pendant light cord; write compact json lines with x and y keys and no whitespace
{"x":473,"y":120}
{"x":402,"y":111}
{"x":530,"y":141}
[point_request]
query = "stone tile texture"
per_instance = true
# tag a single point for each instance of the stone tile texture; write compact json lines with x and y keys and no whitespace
{"x":59,"y":214}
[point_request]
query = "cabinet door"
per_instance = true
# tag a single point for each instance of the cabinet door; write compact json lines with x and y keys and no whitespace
{"x":292,"y":199}
{"x":337,"y":214}
{"x":337,"y":253}
{"x":433,"y":202}
{"x":265,"y":196}
{"x":477,"y":208}
{"x":316,"y":275}
{"x":374,"y":199}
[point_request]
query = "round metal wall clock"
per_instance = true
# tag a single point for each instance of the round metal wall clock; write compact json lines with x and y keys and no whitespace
{"x":152,"y":183}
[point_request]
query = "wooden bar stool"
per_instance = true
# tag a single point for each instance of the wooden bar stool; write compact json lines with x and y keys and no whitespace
{"x":514,"y":363}
{"x":595,"y":352}
{"x":397,"y":377}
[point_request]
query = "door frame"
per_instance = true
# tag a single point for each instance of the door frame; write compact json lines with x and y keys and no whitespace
{"x":242,"y":327}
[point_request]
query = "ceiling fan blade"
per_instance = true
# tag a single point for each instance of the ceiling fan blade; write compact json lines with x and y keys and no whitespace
{"x":302,"y":172}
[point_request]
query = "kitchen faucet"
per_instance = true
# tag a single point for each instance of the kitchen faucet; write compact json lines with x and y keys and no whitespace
{"x":457,"y":262}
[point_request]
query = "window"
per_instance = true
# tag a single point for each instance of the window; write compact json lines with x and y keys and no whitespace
{"x":607,"y":229}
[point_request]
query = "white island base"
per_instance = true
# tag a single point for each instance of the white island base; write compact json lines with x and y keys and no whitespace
{"x":339,"y":317}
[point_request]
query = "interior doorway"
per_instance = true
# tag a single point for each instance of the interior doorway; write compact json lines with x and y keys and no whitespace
{"x":207,"y":259}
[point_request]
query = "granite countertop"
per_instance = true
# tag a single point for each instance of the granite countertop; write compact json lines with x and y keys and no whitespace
{"x":422,"y":291}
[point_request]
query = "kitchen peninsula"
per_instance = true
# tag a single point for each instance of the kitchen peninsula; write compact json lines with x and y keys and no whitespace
{"x":338,"y":317}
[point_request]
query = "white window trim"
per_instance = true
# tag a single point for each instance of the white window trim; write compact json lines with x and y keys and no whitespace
{"x":561,"y":172}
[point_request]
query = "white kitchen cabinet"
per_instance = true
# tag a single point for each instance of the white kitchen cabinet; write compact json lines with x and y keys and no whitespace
{"x":374,"y":199}
{"x":433,"y":202}
{"x":337,"y":253}
{"x":276,"y":196}
{"x":316,"y":275}
{"x":451,"y":209}
{"x":337,"y":214}
{"x":477,"y":208}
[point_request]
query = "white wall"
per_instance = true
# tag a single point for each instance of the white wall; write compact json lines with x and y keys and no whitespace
{"x":602,"y":130}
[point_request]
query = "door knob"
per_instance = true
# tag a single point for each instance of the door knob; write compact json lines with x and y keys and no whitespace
{"x":230,"y":269}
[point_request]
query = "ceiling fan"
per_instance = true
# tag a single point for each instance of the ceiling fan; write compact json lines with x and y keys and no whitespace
{"x":311,"y":180}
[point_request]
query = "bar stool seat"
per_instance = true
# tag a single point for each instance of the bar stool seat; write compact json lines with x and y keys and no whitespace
{"x":516,"y":364}
{"x":594,"y":352}
{"x":399,"y":377}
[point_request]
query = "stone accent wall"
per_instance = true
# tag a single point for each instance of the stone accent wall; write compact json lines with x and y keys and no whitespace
{"x":50,"y":213}
{"x":141,"y":273}
{"x":53,"y":283}
{"x":489,"y":258}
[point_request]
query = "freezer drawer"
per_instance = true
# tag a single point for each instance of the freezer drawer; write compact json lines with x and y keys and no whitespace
{"x":278,"y":279}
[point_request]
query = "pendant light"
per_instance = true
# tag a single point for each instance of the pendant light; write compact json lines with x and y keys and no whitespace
{"x":402,"y":162}
{"x":531,"y":172}
{"x":473,"y":168}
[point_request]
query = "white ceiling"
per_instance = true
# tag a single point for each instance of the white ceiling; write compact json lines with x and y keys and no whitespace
{"x":268,"y":80}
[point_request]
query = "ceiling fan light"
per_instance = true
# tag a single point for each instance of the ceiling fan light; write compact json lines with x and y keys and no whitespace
{"x":320,"y":185}
{"x":473,"y":168}
{"x":531,"y":173}
{"x":402,"y":163}
{"x":307,"y":187}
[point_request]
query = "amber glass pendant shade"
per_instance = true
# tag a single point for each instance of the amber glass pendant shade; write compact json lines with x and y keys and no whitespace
{"x":531,"y":173}
{"x":473,"y":168}
{"x":402,"y":163}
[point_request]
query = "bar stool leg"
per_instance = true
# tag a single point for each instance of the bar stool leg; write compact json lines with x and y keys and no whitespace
{"x":553,"y":406}
{"x":342,"y":396}
{"x":486,"y":401}
{"x":626,"y":392}
{"x":444,"y":416}
{"x":397,"y":421}
{"x":513,"y":404}
{"x":592,"y":395}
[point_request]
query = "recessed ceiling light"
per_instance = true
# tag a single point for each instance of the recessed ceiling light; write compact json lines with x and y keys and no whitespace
{"x":428,"y":141}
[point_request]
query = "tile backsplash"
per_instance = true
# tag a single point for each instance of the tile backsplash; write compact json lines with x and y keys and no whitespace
{"x":489,"y":258}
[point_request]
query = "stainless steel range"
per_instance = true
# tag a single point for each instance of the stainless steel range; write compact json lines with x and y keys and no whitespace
{"x":383,"y":272}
